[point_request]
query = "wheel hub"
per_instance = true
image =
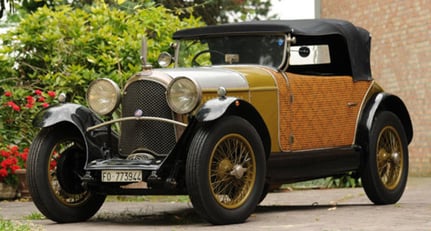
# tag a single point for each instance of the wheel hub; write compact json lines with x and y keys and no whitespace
{"x":238,"y":171}
{"x":224,"y":167}
{"x":384,"y":154}
{"x":396,"y":158}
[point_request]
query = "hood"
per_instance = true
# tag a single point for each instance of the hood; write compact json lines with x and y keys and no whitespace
{"x":210,"y":78}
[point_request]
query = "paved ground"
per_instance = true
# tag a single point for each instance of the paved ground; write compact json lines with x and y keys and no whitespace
{"x":330,"y":209}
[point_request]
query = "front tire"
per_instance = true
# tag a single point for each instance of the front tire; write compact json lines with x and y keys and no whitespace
{"x":55,"y":163}
{"x":384,"y":176}
{"x":225,"y":170}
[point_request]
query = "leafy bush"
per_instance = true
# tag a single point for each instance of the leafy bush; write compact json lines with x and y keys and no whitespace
{"x":67,"y":48}
{"x":18,"y":105}
{"x":348,"y":180}
{"x":10,"y":161}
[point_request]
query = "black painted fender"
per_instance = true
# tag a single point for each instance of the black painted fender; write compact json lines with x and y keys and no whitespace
{"x":78,"y":115}
{"x":216,"y":108}
{"x":69,"y":115}
{"x":382,"y":101}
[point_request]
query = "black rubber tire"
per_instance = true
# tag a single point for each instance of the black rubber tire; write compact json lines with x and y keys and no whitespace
{"x":200,"y":162}
{"x":394,"y":158}
{"x":52,"y":188}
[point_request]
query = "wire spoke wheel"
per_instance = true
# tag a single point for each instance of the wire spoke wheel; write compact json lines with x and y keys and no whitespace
{"x":232,"y":171}
{"x":385,"y":170}
{"x":59,"y":171}
{"x":55,"y":166}
{"x":226,"y":170}
{"x":389,"y":157}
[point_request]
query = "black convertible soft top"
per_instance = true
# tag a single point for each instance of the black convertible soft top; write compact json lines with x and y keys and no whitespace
{"x":349,"y":45}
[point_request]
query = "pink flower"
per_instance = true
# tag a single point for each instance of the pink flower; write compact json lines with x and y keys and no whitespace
{"x":45,"y":105}
{"x":8,"y":162}
{"x":24,"y":156}
{"x":52,"y":164}
{"x":3,"y":173}
{"x":30,"y":99}
{"x":13,"y":148}
{"x":8,"y":94}
{"x":14,"y":168}
{"x":13,"y":106}
{"x":38,"y":92}
{"x":4,"y":153}
{"x":51,"y":94}
{"x":41,"y":99}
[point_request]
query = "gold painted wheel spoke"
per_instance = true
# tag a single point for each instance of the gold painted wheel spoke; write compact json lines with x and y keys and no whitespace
{"x":389,"y":157}
{"x":63,"y":196}
{"x":232,"y":171}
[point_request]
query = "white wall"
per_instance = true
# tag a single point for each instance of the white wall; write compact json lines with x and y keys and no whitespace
{"x":296,"y":9}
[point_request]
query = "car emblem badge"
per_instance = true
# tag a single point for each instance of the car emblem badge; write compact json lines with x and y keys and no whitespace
{"x":139,"y":113}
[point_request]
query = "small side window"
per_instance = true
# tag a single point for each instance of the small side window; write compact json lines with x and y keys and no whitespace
{"x":309,"y":55}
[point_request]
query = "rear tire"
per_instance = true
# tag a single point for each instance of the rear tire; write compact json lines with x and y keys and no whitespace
{"x":55,"y":161}
{"x":225,"y":171}
{"x":384,"y":176}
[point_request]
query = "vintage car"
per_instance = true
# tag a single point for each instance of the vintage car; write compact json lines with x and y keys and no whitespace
{"x":243,"y":107}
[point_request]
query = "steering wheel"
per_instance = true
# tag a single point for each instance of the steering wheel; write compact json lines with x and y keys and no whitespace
{"x":194,"y":63}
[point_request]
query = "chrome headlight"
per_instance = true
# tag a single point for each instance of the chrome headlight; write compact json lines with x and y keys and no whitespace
{"x":164,"y":59}
{"x":183,"y":95}
{"x":103,"y":96}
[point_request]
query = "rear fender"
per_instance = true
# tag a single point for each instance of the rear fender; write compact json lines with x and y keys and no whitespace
{"x":382,"y":101}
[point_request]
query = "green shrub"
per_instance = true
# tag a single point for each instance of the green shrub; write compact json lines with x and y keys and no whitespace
{"x":18,"y":105}
{"x":67,"y":48}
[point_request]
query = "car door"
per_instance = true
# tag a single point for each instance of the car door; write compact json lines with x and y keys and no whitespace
{"x":324,"y":110}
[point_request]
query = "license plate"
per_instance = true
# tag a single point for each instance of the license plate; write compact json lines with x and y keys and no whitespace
{"x":121,"y":175}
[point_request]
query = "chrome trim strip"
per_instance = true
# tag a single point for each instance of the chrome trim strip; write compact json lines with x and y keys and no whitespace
{"x":150,"y":75}
{"x":136,"y":118}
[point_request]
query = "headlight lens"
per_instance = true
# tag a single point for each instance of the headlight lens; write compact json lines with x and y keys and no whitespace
{"x":103,"y":96}
{"x":183,"y":95}
{"x":165,"y":59}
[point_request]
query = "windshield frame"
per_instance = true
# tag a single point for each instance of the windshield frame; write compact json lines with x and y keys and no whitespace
{"x":285,"y":48}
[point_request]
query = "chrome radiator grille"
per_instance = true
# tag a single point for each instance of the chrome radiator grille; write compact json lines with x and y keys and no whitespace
{"x":154,"y":136}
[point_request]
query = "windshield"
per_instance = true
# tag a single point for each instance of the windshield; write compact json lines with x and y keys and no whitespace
{"x":265,"y":50}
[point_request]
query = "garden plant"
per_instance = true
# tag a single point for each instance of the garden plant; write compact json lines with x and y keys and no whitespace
{"x":61,"y":51}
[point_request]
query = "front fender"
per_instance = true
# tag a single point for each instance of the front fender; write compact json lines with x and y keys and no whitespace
{"x":75,"y":114}
{"x":216,"y":108}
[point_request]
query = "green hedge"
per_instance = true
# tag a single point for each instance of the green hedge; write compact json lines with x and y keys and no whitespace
{"x":65,"y":49}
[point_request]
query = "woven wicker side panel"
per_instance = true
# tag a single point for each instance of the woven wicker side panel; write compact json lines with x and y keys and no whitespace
{"x":321,"y":115}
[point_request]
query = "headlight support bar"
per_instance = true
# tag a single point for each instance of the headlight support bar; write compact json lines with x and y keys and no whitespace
{"x":136,"y":118}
